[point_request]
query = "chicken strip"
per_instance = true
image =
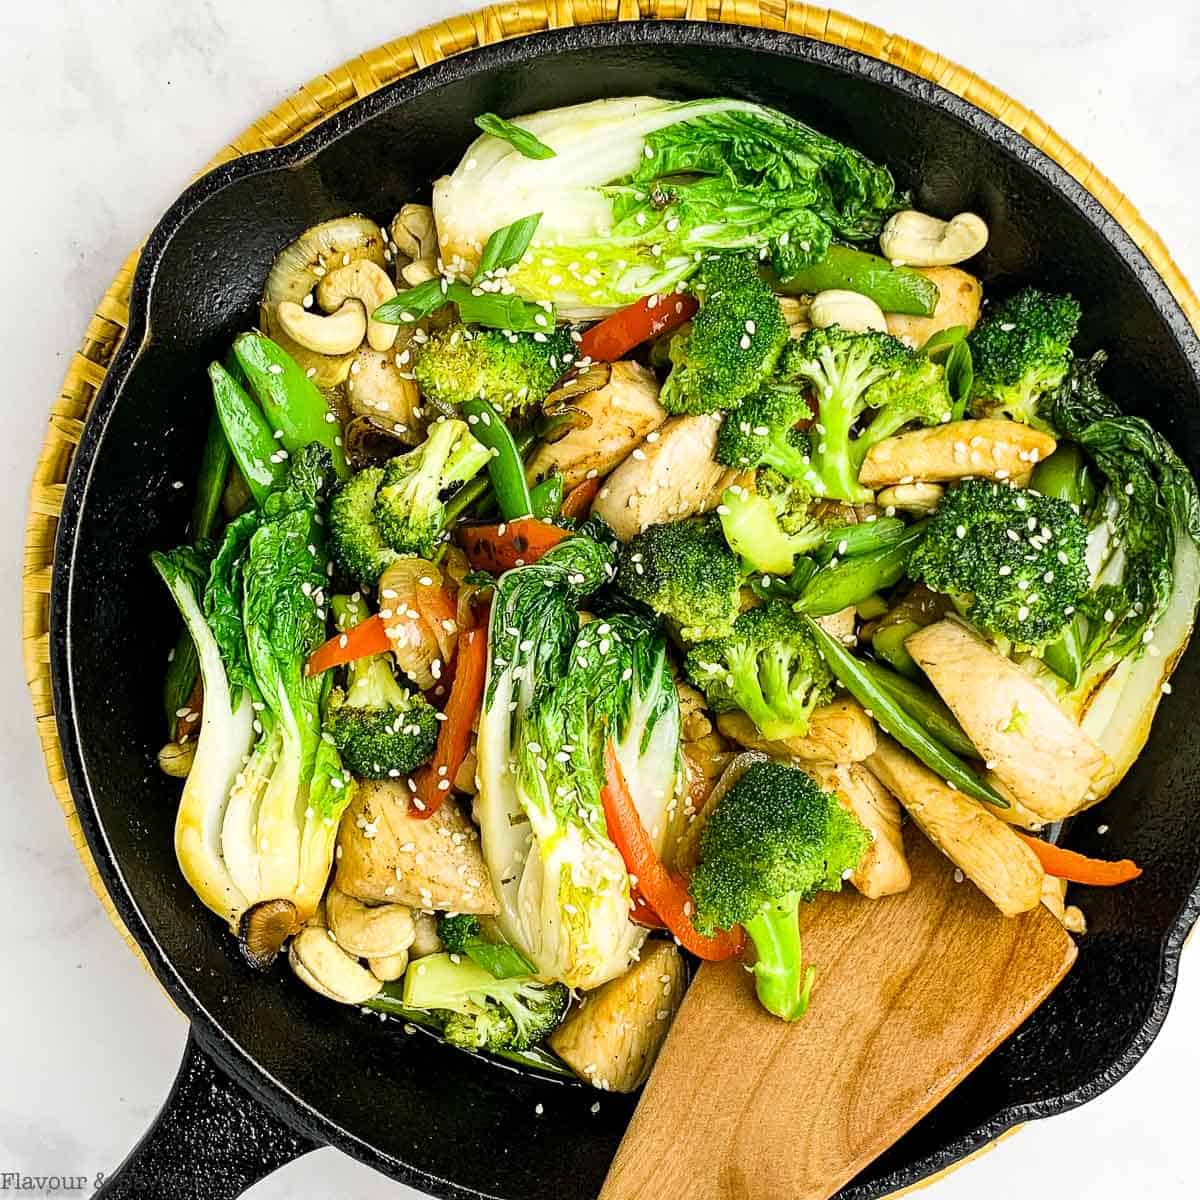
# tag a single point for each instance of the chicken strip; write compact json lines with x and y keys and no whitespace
{"x":974,"y":839}
{"x":623,"y":413}
{"x":839,"y":731}
{"x":670,"y":477}
{"x":1036,"y":750}
{"x":959,"y":298}
{"x":989,"y":449}
{"x":884,"y":868}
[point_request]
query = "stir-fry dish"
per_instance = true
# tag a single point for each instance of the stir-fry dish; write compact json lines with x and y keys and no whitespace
{"x":590,"y":568}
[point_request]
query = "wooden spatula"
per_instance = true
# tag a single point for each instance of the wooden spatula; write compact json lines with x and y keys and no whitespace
{"x":912,"y":993}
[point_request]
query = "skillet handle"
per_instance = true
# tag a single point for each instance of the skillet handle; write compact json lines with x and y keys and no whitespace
{"x":210,"y":1141}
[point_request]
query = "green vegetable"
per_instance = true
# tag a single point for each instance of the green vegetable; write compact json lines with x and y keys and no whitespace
{"x":506,"y":246}
{"x":895,"y":720}
{"x":888,"y":642}
{"x":381,"y":729}
{"x":462,"y":933}
{"x":1014,"y":560}
{"x":894,"y":289}
{"x":479,"y":1011}
{"x":410,"y":505}
{"x":732,"y":345}
{"x":248,"y":434}
{"x":843,"y":582}
{"x":640,"y":186}
{"x":1148,"y":506}
{"x":505,"y":468}
{"x":496,"y":310}
{"x":214,"y":468}
{"x":925,"y":707}
{"x":750,"y":522}
{"x":851,"y":373}
{"x":291,"y":402}
{"x":950,"y":347}
{"x":519,"y":139}
{"x":762,"y":433}
{"x":772,"y":842}
{"x":768,"y":666}
{"x":545,"y":498}
{"x":511,"y":372}
{"x":1021,"y":352}
{"x":684,"y":571}
{"x":358,"y":547}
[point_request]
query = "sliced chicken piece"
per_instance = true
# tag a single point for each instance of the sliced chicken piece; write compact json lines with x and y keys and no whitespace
{"x":670,"y":478}
{"x":838,"y":732}
{"x":1035,"y":749}
{"x":841,"y":625}
{"x":959,"y":297}
{"x":612,"y":1037}
{"x":1016,"y":813}
{"x":623,"y":413}
{"x":1054,"y":897}
{"x":986,"y":850}
{"x":884,"y":868}
{"x":385,"y":854}
{"x":990,"y":449}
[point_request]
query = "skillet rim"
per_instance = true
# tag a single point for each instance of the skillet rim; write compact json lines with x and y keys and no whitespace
{"x":529,"y":49}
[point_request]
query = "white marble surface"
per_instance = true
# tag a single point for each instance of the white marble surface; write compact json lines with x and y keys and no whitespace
{"x":109,"y":109}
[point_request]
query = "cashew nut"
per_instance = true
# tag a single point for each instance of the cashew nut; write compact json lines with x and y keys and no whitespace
{"x":427,"y":939}
{"x":414,"y":232}
{"x":321,"y":964}
{"x":368,"y":931}
{"x":917,"y":498}
{"x":366,"y":281}
{"x":916,"y":239}
{"x":340,"y":333}
{"x":420,"y":270}
{"x":850,"y":310}
{"x":175,"y":759}
{"x":389,"y":968}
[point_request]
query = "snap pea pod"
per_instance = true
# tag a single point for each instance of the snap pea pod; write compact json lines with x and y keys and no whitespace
{"x":290,"y":401}
{"x":848,"y":541}
{"x":924,"y":706}
{"x":505,"y":468}
{"x":872,"y":608}
{"x":888,"y":643}
{"x":247,"y":432}
{"x":546,"y":498}
{"x":849,"y":581}
{"x":894,"y":289}
{"x":1065,"y":476}
{"x":848,"y":671}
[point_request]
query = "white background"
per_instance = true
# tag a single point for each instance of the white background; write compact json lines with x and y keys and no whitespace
{"x":109,"y":108}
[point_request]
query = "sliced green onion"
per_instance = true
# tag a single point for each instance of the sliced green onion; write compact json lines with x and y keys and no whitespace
{"x":519,"y":139}
{"x":506,"y":247}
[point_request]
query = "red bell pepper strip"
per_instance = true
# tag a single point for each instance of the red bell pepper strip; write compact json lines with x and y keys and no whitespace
{"x":615,"y":336}
{"x":579,"y":499}
{"x":1078,"y":868}
{"x":664,"y":890}
{"x":498,"y":548}
{"x":368,"y":637}
{"x":434,"y":780}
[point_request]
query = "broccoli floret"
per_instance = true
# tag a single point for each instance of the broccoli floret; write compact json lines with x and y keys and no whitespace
{"x":457,"y":930}
{"x":1014,"y":560}
{"x":762,"y":432}
{"x":380,"y":729}
{"x":685,"y":572}
{"x":1020,"y":352}
{"x":509,"y":370}
{"x":480,"y":1011}
{"x":410,"y":505}
{"x":775,"y":839}
{"x":761,"y":527}
{"x":851,"y":373}
{"x":358,"y":549}
{"x":734,"y":342}
{"x":768,"y":666}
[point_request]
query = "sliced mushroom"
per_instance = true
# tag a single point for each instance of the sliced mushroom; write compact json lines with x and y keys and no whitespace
{"x":389,"y":968}
{"x":990,"y":449}
{"x":1037,"y":751}
{"x":849,"y":310}
{"x":380,"y":387}
{"x":297,"y":270}
{"x":263,"y":930}
{"x":611,"y":1038}
{"x":920,"y":499}
{"x":321,"y":964}
{"x":986,"y":850}
{"x":176,"y":758}
{"x":960,"y":297}
{"x":388,"y":855}
{"x":414,"y":232}
{"x":916,"y":239}
{"x":883,"y":870}
{"x":369,"y":284}
{"x":839,"y":731}
{"x":671,"y":478}
{"x":605,"y":424}
{"x":368,"y":931}
{"x":339,"y":333}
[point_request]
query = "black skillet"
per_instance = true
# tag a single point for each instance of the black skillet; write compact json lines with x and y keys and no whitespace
{"x":271,"y":1069}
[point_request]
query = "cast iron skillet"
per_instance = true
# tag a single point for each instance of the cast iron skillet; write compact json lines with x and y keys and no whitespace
{"x":273,"y":1069}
